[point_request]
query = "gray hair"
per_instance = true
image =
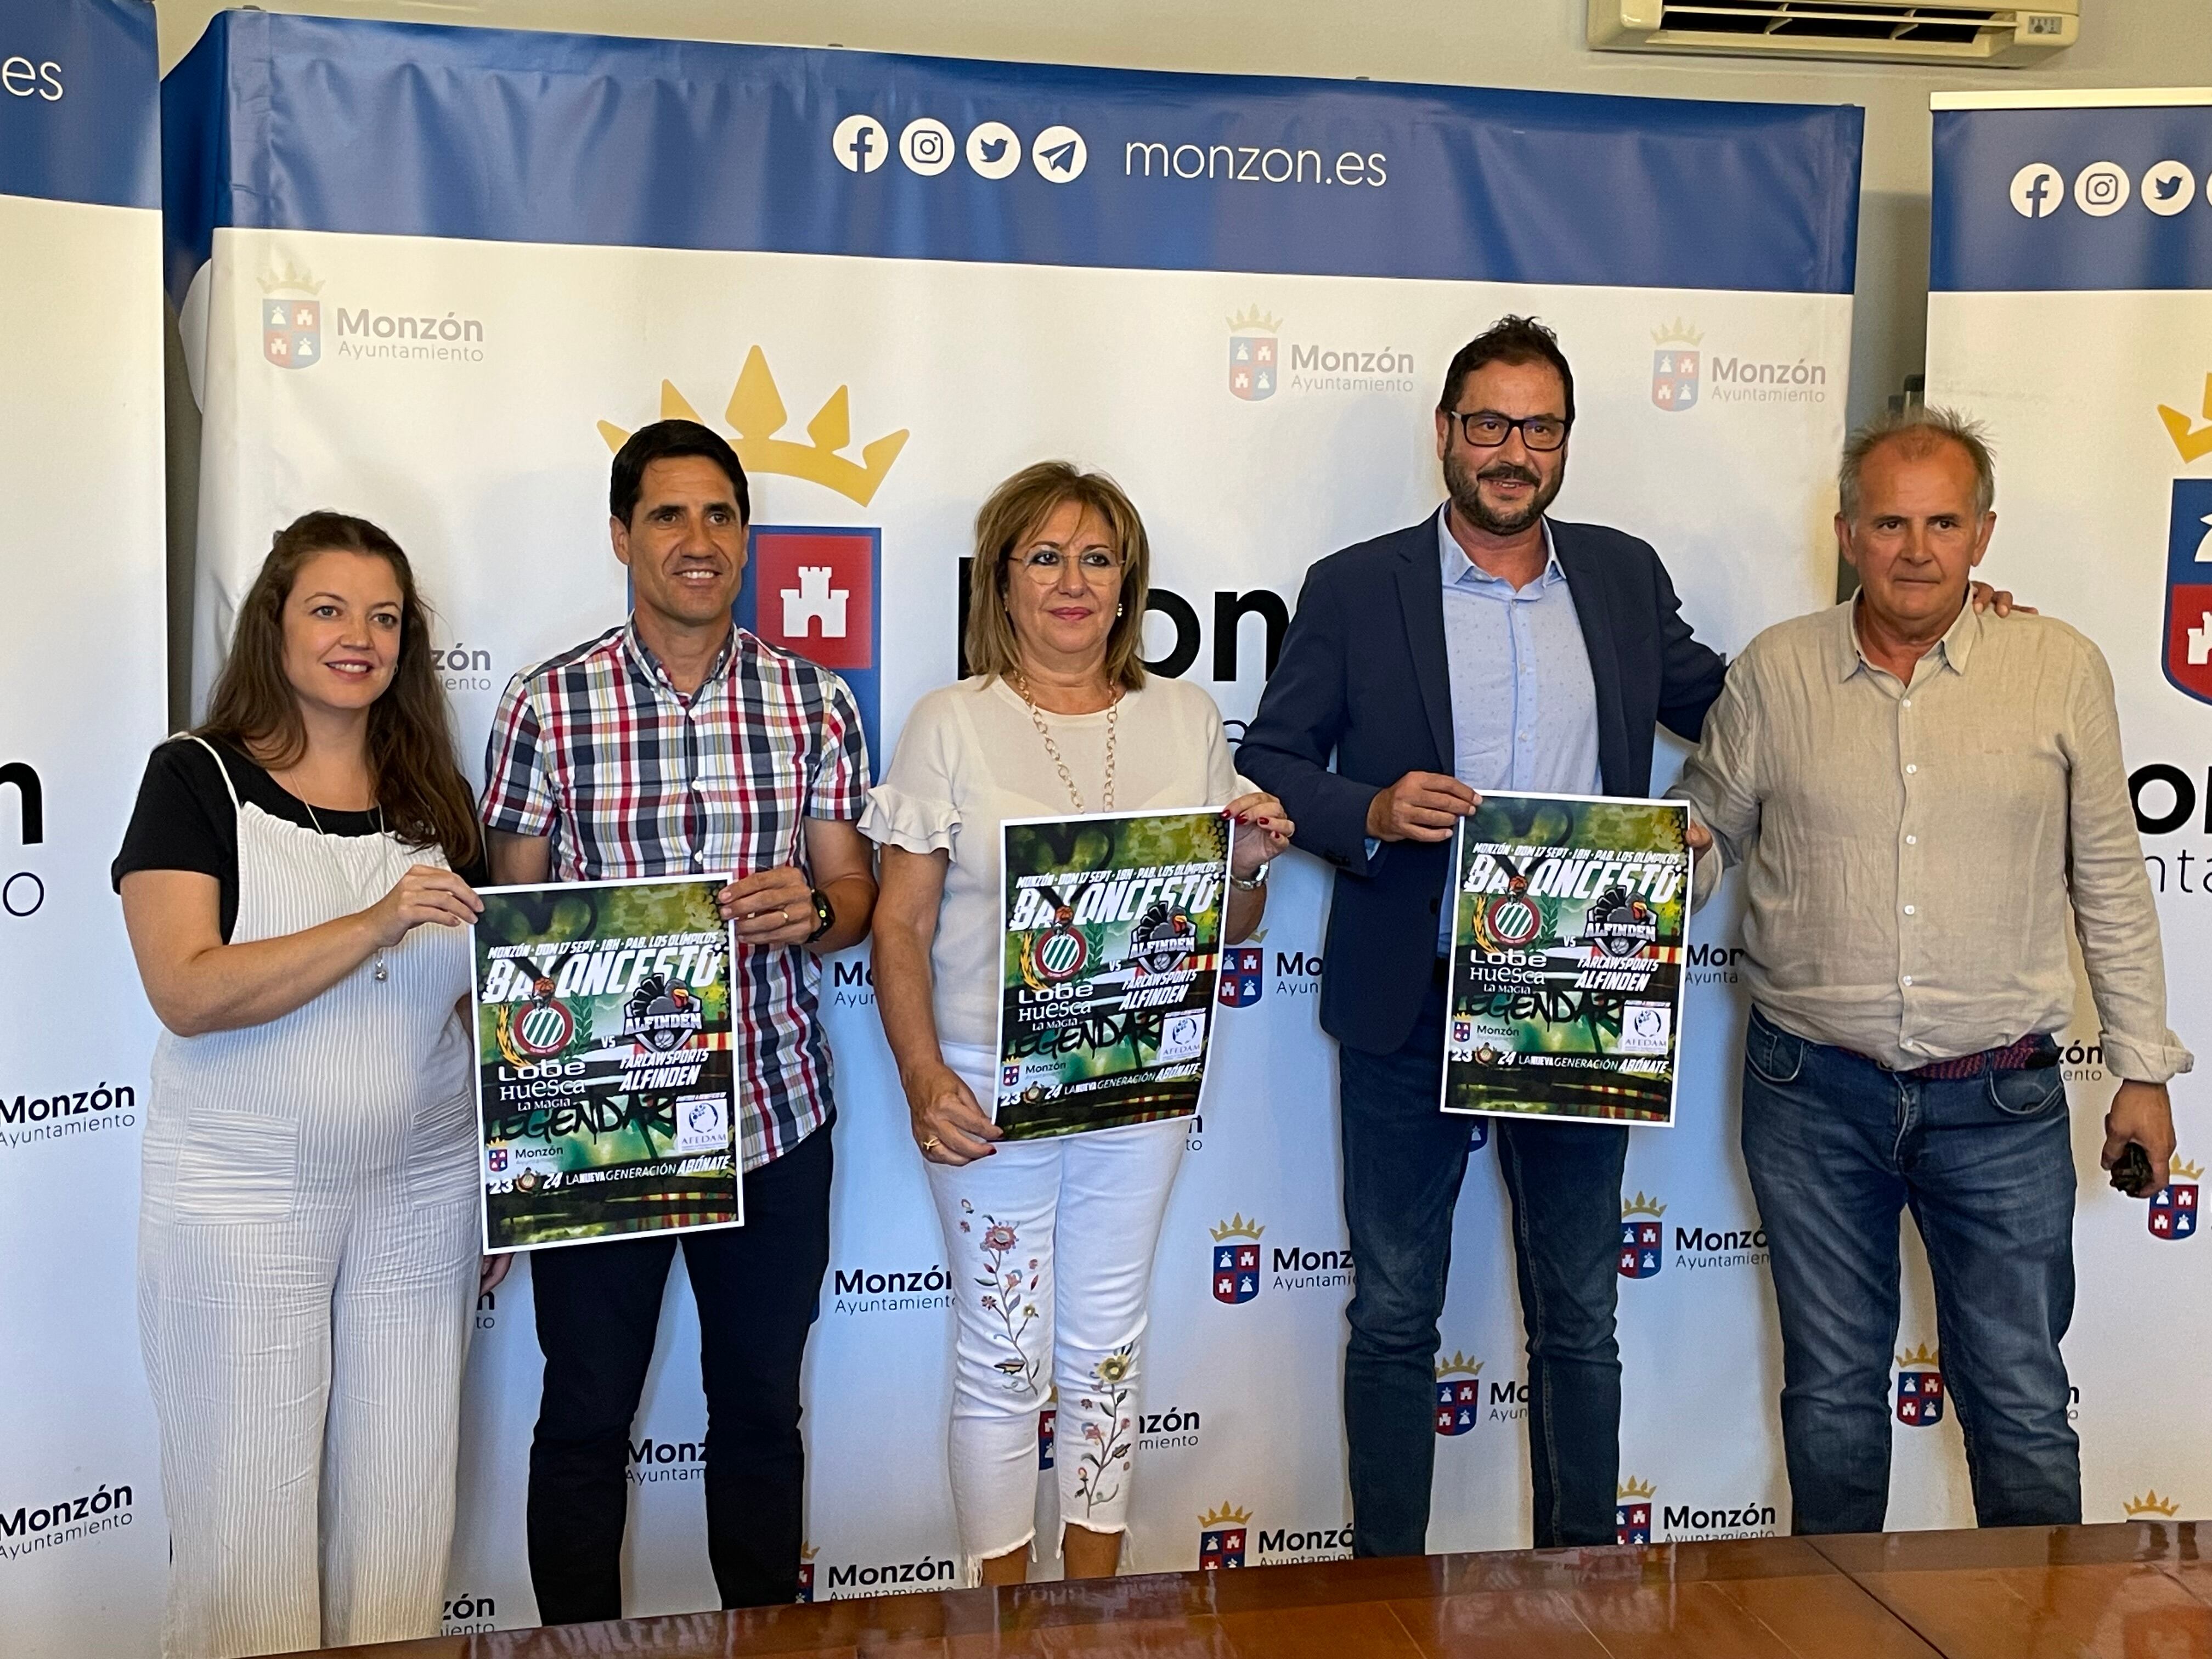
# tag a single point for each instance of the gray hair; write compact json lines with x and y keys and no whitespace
{"x":1920,"y":428}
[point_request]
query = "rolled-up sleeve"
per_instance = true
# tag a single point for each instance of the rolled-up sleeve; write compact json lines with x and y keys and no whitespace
{"x":2115,"y":915}
{"x":1720,"y":782}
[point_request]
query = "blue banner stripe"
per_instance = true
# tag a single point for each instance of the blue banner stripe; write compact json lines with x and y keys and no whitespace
{"x":301,"y":123}
{"x":77,"y":90}
{"x":2042,"y":200}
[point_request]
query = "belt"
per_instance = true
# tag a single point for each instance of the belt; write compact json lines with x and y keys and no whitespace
{"x":2034,"y":1049}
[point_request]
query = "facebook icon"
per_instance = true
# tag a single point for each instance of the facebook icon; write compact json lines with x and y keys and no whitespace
{"x":860,"y":143}
{"x":2037,"y":190}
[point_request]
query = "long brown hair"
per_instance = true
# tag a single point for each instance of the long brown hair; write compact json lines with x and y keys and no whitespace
{"x":254,"y":708}
{"x":1014,"y":513}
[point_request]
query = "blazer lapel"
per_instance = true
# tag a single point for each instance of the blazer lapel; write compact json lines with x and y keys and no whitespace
{"x":1421,"y":596}
{"x":1596,"y":615}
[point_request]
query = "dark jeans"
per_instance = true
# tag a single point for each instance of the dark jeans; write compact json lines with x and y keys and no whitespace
{"x":1403,"y":1163}
{"x":598,"y":1306}
{"x":1837,"y":1147}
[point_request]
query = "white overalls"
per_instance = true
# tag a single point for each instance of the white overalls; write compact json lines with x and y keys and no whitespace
{"x":308,"y":1257}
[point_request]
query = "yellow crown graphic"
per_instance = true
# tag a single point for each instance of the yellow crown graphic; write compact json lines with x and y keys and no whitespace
{"x":2183,"y":1169}
{"x":1920,"y":1359}
{"x":1641,"y":1205}
{"x":1632,"y":1487}
{"x":1677,"y":332}
{"x":808,"y":1551}
{"x":757,"y":414}
{"x":1237,"y":1227}
{"x":1458,"y":1366}
{"x":290,"y":280}
{"x":1227,"y":1515}
{"x":1254,"y":321}
{"x":2151,"y":1503}
{"x":2193,"y":441}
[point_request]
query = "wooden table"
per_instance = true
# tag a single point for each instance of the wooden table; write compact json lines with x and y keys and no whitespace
{"x":2136,"y":1590}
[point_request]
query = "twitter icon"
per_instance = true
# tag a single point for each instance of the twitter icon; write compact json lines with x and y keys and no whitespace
{"x":2168,"y":188}
{"x":994,"y":149}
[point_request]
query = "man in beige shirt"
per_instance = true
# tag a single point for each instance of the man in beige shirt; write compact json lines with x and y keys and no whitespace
{"x":1918,"y":793}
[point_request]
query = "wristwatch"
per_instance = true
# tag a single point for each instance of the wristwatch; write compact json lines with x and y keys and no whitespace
{"x":1259,"y":879}
{"x":825,"y":914}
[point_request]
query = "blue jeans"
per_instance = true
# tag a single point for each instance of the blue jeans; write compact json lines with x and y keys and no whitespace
{"x":1837,"y":1147}
{"x":1403,"y":1163}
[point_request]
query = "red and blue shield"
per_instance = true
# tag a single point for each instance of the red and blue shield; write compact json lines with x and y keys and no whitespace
{"x":805,"y":1582}
{"x":812,"y":590}
{"x":292,"y":332}
{"x":1919,"y":1397}
{"x":2189,"y":590}
{"x":1643,"y":1251}
{"x":1631,"y":1521}
{"x":1252,"y":366}
{"x":1221,"y":1546}
{"x":1673,"y":378}
{"x":1045,"y":1420}
{"x":1237,"y":1271}
{"x":1459,"y":1403}
{"x":1243,"y":977}
{"x":2174,"y":1210}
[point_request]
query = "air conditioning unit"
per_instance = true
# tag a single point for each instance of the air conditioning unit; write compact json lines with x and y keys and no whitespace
{"x":1872,"y":30}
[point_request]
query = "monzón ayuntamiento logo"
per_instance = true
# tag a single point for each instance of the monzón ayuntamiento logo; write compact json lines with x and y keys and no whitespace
{"x":812,"y":590}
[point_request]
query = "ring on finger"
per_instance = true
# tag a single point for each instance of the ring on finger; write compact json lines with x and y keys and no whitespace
{"x":931,"y":1144}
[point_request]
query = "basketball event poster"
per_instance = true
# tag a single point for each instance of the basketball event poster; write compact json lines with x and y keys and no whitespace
{"x":1112,"y":924}
{"x":1569,"y":914}
{"x":606,"y":1079}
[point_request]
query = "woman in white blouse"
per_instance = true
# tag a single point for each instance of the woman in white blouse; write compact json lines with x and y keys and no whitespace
{"x":1057,"y":717}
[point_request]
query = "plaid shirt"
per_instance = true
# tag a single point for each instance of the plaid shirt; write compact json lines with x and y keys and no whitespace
{"x":597,"y":749}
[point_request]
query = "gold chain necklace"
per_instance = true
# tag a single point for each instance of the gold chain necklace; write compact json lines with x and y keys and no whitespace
{"x":1036,"y":719}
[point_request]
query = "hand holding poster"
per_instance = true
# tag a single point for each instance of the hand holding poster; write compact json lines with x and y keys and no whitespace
{"x":1565,"y":993}
{"x":606,"y":1079}
{"x":1113,"y":926}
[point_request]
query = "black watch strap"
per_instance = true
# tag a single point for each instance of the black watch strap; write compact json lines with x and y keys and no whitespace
{"x":825,"y":913}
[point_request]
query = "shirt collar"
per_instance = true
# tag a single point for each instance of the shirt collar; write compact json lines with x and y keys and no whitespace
{"x":649,"y":667}
{"x":1460,"y":570}
{"x":1954,"y":648}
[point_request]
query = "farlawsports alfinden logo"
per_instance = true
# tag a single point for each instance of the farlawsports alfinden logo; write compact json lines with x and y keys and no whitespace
{"x":1919,"y":1387}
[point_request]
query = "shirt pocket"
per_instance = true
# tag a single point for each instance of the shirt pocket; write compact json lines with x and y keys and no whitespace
{"x":442,"y":1162}
{"x":237,"y":1166}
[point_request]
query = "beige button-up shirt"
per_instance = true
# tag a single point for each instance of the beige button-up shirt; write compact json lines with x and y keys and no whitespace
{"x":1911,"y":848}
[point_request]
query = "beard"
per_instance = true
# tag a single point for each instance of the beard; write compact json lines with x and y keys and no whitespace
{"x":1463,"y":486}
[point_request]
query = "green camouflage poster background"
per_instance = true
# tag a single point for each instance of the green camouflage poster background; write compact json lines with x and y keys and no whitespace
{"x":606,"y":1083}
{"x":1568,"y":923}
{"x":1112,"y":928}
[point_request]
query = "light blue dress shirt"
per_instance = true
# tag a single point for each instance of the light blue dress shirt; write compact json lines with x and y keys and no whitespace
{"x":1524,"y":707}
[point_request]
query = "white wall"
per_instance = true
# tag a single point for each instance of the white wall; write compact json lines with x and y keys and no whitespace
{"x":1501,"y":43}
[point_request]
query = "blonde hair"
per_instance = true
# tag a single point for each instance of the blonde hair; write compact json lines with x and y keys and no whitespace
{"x":1013,"y":513}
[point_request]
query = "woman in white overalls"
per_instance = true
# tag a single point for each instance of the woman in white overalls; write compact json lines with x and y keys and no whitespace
{"x":308,"y":1244}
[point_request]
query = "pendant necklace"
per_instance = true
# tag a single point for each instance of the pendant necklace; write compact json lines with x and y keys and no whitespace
{"x":382,"y":972}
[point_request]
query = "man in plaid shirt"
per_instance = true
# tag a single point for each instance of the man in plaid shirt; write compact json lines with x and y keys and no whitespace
{"x":680,"y":745}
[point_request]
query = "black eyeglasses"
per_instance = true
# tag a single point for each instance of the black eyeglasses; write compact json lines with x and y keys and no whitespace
{"x":1485,"y":429}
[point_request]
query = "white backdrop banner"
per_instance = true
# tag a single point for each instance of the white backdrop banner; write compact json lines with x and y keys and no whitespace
{"x":2071,"y":310}
{"x":433,"y":276}
{"x":81,"y":693}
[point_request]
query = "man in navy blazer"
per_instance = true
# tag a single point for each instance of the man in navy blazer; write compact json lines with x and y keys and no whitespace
{"x":1485,"y":647}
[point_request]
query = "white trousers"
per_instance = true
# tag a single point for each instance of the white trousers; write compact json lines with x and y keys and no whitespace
{"x":1050,"y":1249}
{"x":306,"y":1370}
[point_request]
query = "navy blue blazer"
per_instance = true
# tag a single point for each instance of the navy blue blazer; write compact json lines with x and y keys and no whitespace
{"x":1364,"y":678}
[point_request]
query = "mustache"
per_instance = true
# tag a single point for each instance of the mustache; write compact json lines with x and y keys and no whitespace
{"x":1509,"y":470}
